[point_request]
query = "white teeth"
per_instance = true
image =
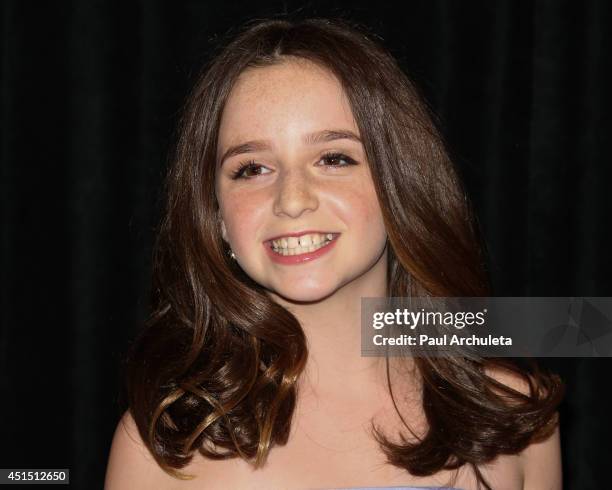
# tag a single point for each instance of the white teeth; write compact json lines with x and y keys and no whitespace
{"x":299,"y":245}
{"x":305,"y":241}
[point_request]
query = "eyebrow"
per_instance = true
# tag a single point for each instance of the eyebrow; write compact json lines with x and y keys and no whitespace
{"x":310,"y":139}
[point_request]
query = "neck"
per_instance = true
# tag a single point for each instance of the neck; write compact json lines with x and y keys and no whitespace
{"x":333,"y":331}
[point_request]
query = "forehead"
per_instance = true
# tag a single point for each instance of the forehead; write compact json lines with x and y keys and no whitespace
{"x":294,"y":95}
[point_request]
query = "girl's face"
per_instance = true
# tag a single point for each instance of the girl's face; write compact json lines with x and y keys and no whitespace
{"x":308,"y":177}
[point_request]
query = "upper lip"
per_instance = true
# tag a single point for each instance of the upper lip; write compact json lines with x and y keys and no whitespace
{"x":299,"y":233}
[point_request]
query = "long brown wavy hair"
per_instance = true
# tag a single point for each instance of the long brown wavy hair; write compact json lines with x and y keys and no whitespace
{"x":216,"y":367}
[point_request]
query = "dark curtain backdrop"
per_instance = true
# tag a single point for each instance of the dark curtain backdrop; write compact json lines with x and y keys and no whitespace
{"x":90,"y":97}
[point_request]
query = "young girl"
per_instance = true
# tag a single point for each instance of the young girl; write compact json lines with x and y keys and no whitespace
{"x":308,"y":175}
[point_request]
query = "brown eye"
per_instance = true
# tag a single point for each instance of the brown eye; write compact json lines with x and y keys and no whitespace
{"x":336,"y":160}
{"x":245,"y":168}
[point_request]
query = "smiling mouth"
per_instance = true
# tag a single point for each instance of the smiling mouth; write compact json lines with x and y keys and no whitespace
{"x":303,"y":245}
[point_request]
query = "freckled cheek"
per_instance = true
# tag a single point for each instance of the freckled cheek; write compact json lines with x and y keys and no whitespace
{"x":244,"y":217}
{"x":361,"y":212}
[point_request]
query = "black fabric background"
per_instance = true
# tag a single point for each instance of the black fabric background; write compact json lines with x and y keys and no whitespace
{"x":90,"y":93}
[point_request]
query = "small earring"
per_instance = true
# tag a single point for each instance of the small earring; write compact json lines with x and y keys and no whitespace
{"x":232,"y":254}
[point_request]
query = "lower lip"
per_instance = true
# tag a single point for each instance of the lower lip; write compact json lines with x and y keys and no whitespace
{"x":299,"y":259}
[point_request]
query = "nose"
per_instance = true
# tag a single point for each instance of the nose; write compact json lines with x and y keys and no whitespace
{"x":295,"y":194}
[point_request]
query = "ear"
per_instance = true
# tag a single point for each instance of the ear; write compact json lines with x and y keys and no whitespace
{"x":223,"y":230}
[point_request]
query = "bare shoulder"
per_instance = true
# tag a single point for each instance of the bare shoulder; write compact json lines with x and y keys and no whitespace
{"x":130,"y":465}
{"x":509,"y":378}
{"x":542,"y":464}
{"x":540,"y":461}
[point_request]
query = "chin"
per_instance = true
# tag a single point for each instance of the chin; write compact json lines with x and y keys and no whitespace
{"x":304,"y":295}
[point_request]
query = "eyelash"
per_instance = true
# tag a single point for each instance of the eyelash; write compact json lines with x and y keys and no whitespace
{"x":237,"y":174}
